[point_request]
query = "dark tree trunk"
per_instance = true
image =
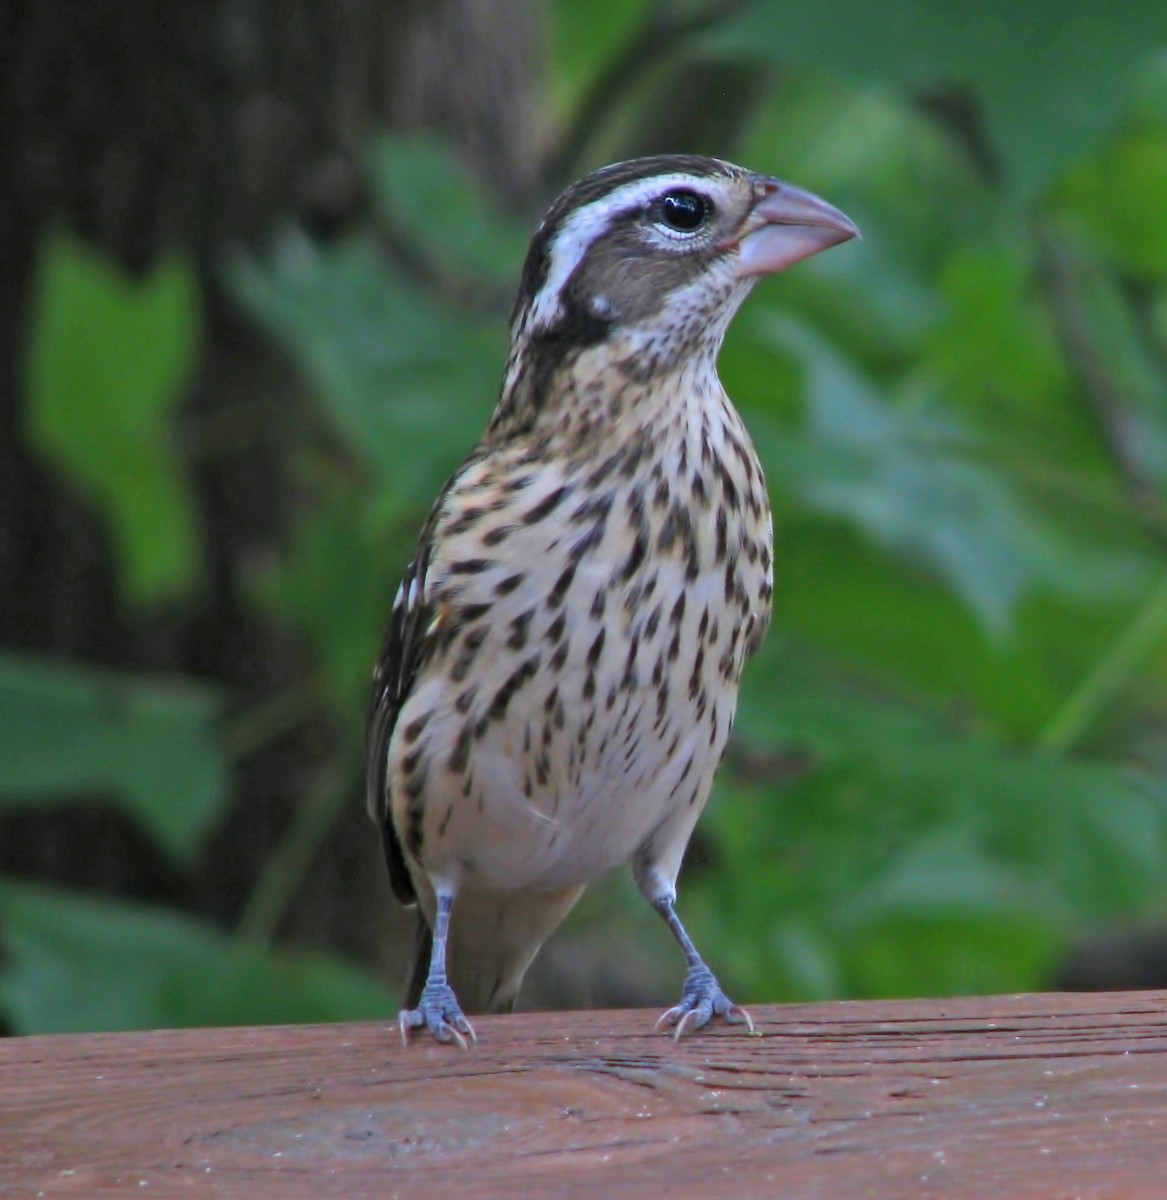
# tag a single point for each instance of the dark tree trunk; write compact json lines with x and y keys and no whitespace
{"x":172,"y":124}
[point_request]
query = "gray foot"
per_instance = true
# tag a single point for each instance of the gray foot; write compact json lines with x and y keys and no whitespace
{"x":701,"y":1000}
{"x":438,"y":1011}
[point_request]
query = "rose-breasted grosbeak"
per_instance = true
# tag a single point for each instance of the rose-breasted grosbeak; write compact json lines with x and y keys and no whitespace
{"x":560,"y":672}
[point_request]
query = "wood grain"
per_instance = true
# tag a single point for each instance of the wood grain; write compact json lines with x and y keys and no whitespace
{"x":1019,"y":1097}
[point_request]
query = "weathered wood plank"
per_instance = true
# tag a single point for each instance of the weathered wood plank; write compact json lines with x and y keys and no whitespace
{"x":1032,"y":1096}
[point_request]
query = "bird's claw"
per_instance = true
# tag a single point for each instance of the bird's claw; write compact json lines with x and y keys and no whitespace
{"x":438,"y":1011}
{"x":701,"y":1000}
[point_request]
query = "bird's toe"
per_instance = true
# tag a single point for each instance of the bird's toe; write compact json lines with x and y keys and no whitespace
{"x":438,"y":1011}
{"x":701,"y":1000}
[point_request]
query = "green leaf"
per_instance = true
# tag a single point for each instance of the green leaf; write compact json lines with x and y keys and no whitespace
{"x":868,"y":825}
{"x":1078,"y":835}
{"x":944,"y":872}
{"x":986,"y":299}
{"x":430,"y":197}
{"x":76,"y":962}
{"x":332,"y":585}
{"x":1116,"y":196}
{"x":404,"y":379}
{"x":1124,"y":365}
{"x":109,"y":358}
{"x":145,"y":744}
{"x":953,"y":955}
{"x":872,"y":617}
{"x":1052,"y":78}
{"x":907,"y":478}
{"x":586,"y":35}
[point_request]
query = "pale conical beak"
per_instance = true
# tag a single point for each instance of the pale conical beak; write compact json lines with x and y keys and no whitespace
{"x":787,"y":225}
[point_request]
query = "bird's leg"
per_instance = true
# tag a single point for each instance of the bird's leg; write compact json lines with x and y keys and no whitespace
{"x":438,"y":1008}
{"x":701,"y":994}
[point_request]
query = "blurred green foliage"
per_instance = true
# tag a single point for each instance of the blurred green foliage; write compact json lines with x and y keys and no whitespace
{"x":952,"y":754}
{"x":76,"y":962}
{"x":108,"y":359}
{"x":70,"y":730}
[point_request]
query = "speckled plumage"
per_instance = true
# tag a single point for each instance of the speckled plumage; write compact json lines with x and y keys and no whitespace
{"x":561,"y":669}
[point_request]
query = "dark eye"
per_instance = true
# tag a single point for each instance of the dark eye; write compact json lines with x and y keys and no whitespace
{"x":682,"y":210}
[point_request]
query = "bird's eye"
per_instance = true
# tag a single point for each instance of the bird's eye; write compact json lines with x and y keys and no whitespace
{"x":683,"y":210}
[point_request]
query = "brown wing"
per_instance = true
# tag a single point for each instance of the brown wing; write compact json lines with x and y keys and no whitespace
{"x":402,"y":654}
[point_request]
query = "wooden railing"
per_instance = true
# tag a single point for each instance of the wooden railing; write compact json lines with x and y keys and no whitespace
{"x":1003,"y":1097}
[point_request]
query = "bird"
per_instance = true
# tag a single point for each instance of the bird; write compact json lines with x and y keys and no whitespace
{"x":559,"y":675}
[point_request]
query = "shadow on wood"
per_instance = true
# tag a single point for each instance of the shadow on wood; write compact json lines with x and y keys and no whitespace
{"x":1030,"y":1096}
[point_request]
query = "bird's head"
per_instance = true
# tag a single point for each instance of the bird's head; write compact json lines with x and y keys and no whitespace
{"x":649,"y":260}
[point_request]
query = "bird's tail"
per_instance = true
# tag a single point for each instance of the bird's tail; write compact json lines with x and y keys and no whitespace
{"x":494,"y":936}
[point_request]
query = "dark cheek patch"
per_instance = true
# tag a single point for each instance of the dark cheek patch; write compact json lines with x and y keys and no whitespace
{"x":634,"y":278}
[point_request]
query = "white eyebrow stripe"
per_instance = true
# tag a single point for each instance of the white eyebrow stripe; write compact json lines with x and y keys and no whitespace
{"x":581,"y":229}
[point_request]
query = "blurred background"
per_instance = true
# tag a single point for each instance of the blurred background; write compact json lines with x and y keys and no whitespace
{"x":255,"y":263}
